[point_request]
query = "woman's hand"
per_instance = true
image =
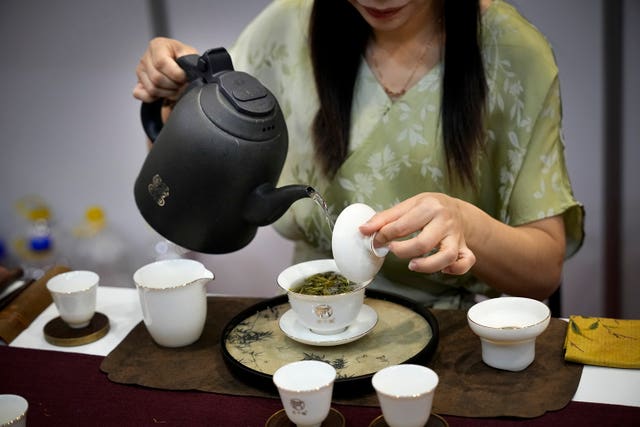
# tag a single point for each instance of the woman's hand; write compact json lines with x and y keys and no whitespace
{"x":439,"y":244}
{"x":436,"y":232}
{"x":159,"y":75}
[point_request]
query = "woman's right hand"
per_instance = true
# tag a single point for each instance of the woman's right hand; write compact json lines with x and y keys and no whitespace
{"x":159,"y":75}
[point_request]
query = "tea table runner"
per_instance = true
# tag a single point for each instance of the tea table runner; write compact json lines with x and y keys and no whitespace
{"x":467,"y":388}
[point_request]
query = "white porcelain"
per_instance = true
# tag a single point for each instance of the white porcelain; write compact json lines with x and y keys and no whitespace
{"x":405,"y":393}
{"x":322,"y":314}
{"x":13,"y":410}
{"x":354,"y":253}
{"x":361,"y":326}
{"x":305,"y":388}
{"x":508,"y":327}
{"x":173,"y":297}
{"x":74,"y":294}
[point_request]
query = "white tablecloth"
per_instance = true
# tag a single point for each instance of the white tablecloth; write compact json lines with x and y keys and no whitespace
{"x":121,"y":306}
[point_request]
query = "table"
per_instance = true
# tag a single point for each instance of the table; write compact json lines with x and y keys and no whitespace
{"x":65,"y":386}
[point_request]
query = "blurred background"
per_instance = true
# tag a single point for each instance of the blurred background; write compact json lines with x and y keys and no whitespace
{"x":72,"y":144}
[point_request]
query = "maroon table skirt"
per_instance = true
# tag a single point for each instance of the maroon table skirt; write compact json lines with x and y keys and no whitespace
{"x":68,"y":389}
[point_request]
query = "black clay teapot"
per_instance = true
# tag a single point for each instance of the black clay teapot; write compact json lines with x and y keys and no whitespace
{"x":209,"y":179}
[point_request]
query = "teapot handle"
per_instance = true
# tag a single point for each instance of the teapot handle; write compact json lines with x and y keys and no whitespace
{"x":150,"y":115}
{"x":199,"y":70}
{"x":150,"y":112}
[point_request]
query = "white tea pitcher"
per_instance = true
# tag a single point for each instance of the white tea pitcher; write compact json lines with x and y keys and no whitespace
{"x":173,"y":297}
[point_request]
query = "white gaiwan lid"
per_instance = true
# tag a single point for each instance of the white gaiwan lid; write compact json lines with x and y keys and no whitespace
{"x":353,"y":252}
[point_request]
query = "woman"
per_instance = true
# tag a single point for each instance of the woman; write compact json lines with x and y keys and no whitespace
{"x":444,"y":116}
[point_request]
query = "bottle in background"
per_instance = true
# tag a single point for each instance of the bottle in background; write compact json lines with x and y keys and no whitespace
{"x":37,"y":246}
{"x":98,"y":247}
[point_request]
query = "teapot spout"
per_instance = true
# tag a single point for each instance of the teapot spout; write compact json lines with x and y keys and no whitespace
{"x":266,"y":203}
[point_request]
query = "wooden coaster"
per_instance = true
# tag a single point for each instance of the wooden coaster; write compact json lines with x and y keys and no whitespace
{"x":279,"y":419}
{"x":435,"y":420}
{"x":57,"y":332}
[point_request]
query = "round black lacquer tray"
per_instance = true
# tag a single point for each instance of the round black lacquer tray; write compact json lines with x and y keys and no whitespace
{"x":253,"y":345}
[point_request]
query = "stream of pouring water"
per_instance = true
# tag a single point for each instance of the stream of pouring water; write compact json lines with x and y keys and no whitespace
{"x":319,"y":200}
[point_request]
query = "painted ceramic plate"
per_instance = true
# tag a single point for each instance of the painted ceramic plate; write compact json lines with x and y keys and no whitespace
{"x":254,"y":346}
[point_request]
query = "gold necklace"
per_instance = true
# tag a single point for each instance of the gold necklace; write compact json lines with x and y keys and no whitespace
{"x":391,"y":93}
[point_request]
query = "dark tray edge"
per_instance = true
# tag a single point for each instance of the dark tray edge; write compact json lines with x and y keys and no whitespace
{"x":343,"y":387}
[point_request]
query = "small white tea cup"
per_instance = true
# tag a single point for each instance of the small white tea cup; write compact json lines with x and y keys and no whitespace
{"x":13,"y":410}
{"x":305,"y":389}
{"x":173,"y":297}
{"x":74,"y":295}
{"x":405,"y":393}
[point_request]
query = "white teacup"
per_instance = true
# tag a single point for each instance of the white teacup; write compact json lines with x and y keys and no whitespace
{"x":13,"y":410}
{"x":405,"y":393}
{"x":305,"y":389}
{"x":74,"y":294}
{"x":173,"y":297}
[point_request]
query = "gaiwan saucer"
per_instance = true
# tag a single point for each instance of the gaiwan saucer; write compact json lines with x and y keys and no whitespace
{"x":364,"y":323}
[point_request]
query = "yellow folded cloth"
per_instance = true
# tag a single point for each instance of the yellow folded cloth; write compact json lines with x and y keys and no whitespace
{"x":603,"y":342}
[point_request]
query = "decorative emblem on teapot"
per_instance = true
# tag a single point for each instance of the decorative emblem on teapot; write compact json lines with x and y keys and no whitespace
{"x":158,"y":190}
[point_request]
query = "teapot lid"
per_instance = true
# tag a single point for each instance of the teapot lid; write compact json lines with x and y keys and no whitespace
{"x":355,"y":256}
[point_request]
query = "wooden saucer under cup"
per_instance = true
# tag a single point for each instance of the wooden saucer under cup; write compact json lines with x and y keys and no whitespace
{"x":58,"y":332}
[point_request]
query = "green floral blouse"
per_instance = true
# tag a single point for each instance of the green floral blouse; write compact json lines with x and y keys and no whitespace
{"x":396,"y":149}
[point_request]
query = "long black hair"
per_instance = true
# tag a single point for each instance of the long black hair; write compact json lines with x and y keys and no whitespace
{"x":338,"y":39}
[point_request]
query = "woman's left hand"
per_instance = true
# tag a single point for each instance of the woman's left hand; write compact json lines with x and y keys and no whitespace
{"x":439,"y":244}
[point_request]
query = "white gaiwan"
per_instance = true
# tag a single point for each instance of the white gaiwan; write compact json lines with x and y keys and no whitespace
{"x":508,"y":327}
{"x":355,"y":256}
{"x":322,"y":314}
